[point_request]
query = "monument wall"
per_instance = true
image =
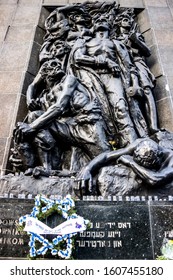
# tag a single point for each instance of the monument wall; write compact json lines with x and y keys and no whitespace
{"x":128,"y":205}
{"x":21,"y":36}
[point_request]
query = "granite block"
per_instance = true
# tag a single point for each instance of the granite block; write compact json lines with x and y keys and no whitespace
{"x":2,"y":148}
{"x":12,"y":243}
{"x":7,"y":113}
{"x":170,"y":3}
{"x":164,"y":37}
{"x":33,"y":63}
{"x":32,"y":3}
{"x":14,"y":56}
{"x":161,"y":223}
{"x":26,"y":15}
{"x":3,"y":30}
{"x":43,"y":15}
{"x":9,"y":2}
{"x":165,"y":113}
{"x":20,"y":33}
{"x":6,"y":14}
{"x":118,"y":231}
{"x":156,"y":3}
{"x":57,"y":2}
{"x":161,"y":89}
{"x":22,"y":109}
{"x":149,"y":37}
{"x":10,"y":81}
{"x":28,"y":79}
{"x":170,"y":82}
{"x":166,"y":55}
{"x":144,"y":21}
{"x":154,"y":62}
{"x":131,"y":3}
{"x":161,"y":18}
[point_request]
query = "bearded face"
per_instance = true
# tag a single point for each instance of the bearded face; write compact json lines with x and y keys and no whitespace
{"x":52,"y":70}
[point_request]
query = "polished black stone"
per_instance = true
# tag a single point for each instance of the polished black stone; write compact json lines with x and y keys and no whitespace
{"x":119,"y":229}
{"x":13,"y":243}
{"x":161,"y":223}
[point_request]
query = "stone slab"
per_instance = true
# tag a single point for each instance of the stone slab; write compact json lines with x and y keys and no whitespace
{"x":161,"y":89}
{"x":144,"y":21}
{"x":165,"y":113}
{"x":13,"y":244}
{"x":156,"y":3}
{"x":14,"y":56}
{"x":8,"y":102}
{"x":33,"y":63}
{"x":56,"y":2}
{"x":10,"y":82}
{"x":166,"y":54}
{"x":6,"y":14}
{"x":154,"y":62}
{"x":131,"y":3}
{"x":162,"y":223}
{"x":20,"y":34}
{"x":119,"y":229}
{"x":26,"y":15}
{"x":2,"y":148}
{"x":161,"y":18}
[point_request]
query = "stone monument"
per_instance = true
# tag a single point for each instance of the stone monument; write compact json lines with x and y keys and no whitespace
{"x":92,"y":128}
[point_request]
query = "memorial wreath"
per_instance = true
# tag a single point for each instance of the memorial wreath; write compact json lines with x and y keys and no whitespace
{"x":62,"y":242}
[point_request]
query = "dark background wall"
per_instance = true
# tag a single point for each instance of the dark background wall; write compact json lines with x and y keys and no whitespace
{"x":21,"y":33}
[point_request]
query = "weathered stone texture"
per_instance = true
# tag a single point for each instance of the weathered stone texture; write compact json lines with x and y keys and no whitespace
{"x":156,"y":23}
{"x":156,"y":3}
{"x":18,"y":21}
{"x":164,"y":107}
{"x":131,"y":3}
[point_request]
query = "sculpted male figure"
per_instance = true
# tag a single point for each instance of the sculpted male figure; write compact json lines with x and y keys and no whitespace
{"x":138,"y":50}
{"x":151,"y":162}
{"x":109,"y":62}
{"x":75,"y":119}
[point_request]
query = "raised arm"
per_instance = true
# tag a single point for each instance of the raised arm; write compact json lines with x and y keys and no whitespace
{"x":58,"y":108}
{"x":24,"y":130}
{"x":31,"y":93}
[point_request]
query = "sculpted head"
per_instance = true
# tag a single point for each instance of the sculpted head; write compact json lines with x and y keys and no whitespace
{"x":148,"y":154}
{"x":52,"y":70}
{"x":102,"y":28}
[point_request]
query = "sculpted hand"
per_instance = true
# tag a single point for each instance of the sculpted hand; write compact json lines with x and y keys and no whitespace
{"x":22,"y":131}
{"x":34,"y":104}
{"x":114,"y":67}
{"x":84,"y":179}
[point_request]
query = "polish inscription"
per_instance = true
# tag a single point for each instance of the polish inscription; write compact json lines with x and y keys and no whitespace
{"x":9,"y":235}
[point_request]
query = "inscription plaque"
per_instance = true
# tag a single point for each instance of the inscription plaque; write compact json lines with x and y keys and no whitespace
{"x":119,"y":229}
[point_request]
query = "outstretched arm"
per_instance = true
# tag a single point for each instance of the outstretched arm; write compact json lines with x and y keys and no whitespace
{"x":53,"y":112}
{"x":84,"y":178}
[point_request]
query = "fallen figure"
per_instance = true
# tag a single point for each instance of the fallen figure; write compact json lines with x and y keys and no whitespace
{"x":151,"y":162}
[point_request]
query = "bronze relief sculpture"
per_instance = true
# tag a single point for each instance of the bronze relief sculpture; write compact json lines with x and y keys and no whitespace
{"x":91,"y":103}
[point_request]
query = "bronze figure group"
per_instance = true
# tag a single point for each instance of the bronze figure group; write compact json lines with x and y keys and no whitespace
{"x":91,"y":102}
